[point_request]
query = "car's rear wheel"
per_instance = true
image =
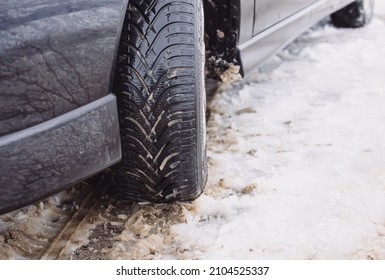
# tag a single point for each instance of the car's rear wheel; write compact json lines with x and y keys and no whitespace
{"x":159,"y":85}
{"x":355,"y":15}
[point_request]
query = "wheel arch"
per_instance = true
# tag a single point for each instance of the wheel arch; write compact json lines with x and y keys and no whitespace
{"x":123,"y":12}
{"x":222,"y":33}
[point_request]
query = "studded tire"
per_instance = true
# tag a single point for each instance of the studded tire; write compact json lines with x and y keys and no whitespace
{"x":354,"y":15}
{"x":159,"y":84}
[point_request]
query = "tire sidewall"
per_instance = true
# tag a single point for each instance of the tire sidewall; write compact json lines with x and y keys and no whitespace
{"x":200,"y":95}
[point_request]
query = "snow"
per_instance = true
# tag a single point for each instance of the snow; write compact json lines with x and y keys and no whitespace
{"x":297,"y":155}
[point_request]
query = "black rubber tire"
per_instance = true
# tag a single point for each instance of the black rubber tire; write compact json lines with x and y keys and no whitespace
{"x":159,"y":84}
{"x":354,"y":15}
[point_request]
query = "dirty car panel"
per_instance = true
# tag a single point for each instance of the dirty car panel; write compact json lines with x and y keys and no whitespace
{"x":55,"y":56}
{"x":58,"y":118}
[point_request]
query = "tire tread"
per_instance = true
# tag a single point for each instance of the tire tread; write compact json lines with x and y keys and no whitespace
{"x":156,"y":88}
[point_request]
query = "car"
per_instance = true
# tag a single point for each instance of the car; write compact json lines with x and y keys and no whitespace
{"x":88,"y":85}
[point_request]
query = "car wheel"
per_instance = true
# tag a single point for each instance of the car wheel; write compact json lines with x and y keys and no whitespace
{"x":356,"y":14}
{"x":159,"y":83}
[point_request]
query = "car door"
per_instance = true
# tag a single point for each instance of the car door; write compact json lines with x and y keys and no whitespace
{"x":269,"y":12}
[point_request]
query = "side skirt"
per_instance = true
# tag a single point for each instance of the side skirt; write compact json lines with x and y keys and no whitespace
{"x":255,"y":51}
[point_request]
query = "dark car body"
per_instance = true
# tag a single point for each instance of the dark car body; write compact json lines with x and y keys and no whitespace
{"x":58,"y":113}
{"x":58,"y":120}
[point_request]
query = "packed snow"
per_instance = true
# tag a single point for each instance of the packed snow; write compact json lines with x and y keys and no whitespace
{"x":297,"y":155}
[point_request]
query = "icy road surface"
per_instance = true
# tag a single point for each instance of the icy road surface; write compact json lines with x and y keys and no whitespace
{"x":296,"y":168}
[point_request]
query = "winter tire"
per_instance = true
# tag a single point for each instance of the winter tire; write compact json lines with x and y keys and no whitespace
{"x":355,"y":15}
{"x":159,"y":85}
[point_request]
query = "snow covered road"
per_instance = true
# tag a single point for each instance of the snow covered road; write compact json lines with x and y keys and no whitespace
{"x":297,"y":155}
